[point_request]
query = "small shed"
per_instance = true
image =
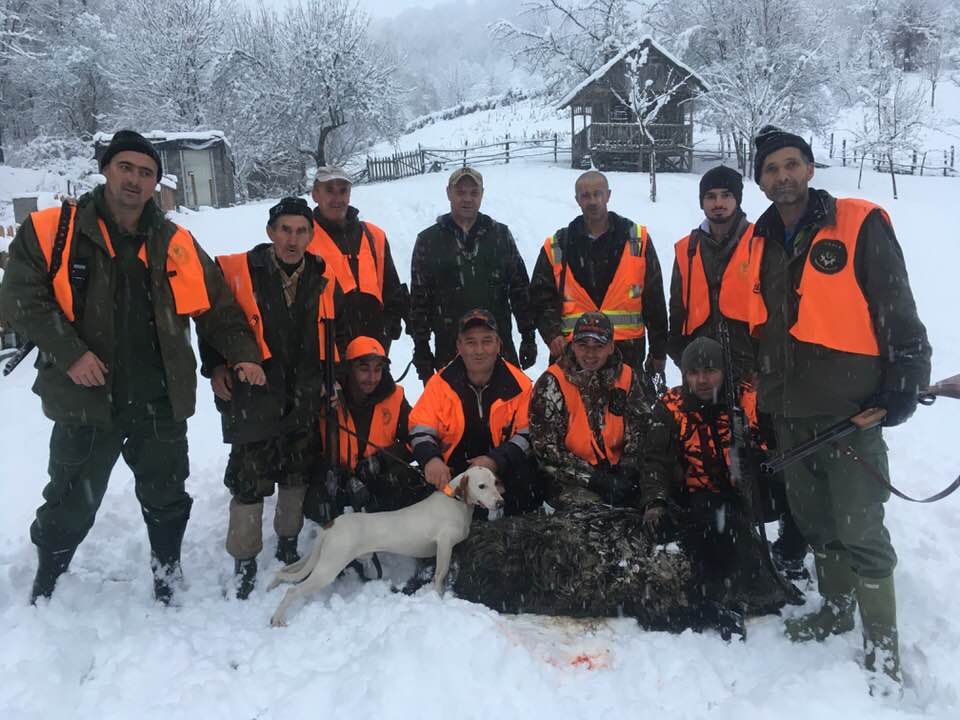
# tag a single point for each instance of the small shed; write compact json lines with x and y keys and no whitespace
{"x":200,"y":162}
{"x":604,"y":128}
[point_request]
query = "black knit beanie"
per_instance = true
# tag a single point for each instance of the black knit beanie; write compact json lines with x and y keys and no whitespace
{"x":290,"y":206}
{"x":134,"y":142}
{"x":702,"y":353}
{"x":770,"y":139}
{"x":723,"y":178}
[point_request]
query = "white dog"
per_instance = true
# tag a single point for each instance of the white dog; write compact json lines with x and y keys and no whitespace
{"x":430,"y":527}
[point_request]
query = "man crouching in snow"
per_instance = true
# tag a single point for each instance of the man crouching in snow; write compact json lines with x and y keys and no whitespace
{"x":687,"y":493}
{"x":105,"y":289}
{"x":285,"y":293}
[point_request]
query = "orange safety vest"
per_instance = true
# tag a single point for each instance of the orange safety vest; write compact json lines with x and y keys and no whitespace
{"x":735,"y":286}
{"x":370,"y":262}
{"x":440,"y":409}
{"x":383,"y":428}
{"x":580,"y":439}
{"x":184,"y":270}
{"x":697,"y":441}
{"x":623,"y":301}
{"x":833,"y":311}
{"x":236,"y":271}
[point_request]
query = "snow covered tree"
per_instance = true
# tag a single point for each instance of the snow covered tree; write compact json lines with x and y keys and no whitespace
{"x":894,"y":114}
{"x":565,"y":41}
{"x":18,"y":42}
{"x":646,"y":95}
{"x":163,"y":60}
{"x":765,"y":61}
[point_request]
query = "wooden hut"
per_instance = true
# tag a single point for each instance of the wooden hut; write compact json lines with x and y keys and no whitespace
{"x":604,"y":129}
{"x":200,"y":162}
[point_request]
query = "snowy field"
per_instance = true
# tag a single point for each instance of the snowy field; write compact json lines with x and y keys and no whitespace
{"x":103,"y":649}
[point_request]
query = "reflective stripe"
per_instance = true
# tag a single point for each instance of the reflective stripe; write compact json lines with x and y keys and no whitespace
{"x":521,"y":442}
{"x":623,"y":320}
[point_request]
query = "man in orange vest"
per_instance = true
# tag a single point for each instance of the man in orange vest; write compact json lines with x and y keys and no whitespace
{"x":687,"y":492}
{"x":709,"y":282}
{"x":373,"y":419}
{"x":588,"y":417}
{"x":359,"y":254}
{"x":607,"y":263}
{"x":838,"y":333}
{"x":711,"y":285}
{"x":474,"y":412}
{"x":286,"y":294}
{"x":106,"y":289}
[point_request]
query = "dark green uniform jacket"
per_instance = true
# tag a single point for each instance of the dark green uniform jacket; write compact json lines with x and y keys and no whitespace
{"x":129,"y":320}
{"x":593,"y":263}
{"x":716,"y":256}
{"x":292,"y":397}
{"x":800,"y":379}
{"x":452,"y":273}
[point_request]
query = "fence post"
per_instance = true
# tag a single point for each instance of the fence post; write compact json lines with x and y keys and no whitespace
{"x":952,"y":149}
{"x":913,"y":164}
{"x":843,"y":146}
{"x":555,"y":147}
{"x":465,"y":143}
{"x":831,"y":146}
{"x":944,"y":163}
{"x":507,"y":146}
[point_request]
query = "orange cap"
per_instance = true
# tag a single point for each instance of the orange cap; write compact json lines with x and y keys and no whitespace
{"x":364,"y":346}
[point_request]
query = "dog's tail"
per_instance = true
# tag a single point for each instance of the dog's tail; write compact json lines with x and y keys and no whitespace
{"x":301,"y":568}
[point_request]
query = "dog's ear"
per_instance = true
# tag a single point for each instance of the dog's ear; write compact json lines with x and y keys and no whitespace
{"x":461,"y":492}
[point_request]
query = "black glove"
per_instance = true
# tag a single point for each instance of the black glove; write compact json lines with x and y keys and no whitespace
{"x":613,"y":487}
{"x":423,"y":361}
{"x":899,"y":404}
{"x":528,"y":349}
{"x":368,"y":469}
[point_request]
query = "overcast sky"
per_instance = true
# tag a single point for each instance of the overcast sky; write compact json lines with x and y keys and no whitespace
{"x":389,"y":8}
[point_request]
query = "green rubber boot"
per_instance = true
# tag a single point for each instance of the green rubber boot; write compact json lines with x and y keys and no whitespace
{"x":878,"y":610}
{"x":836,"y":615}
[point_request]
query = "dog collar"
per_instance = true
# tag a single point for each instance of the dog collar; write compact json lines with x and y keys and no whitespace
{"x":450,"y":490}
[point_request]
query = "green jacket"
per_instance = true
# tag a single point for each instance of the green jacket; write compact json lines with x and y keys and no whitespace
{"x":799,"y":379}
{"x":27,"y":302}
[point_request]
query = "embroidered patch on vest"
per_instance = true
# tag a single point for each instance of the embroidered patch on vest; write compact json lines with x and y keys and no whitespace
{"x":829,"y":256}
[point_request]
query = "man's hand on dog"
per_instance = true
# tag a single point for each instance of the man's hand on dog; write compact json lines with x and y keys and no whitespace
{"x":437,"y":473}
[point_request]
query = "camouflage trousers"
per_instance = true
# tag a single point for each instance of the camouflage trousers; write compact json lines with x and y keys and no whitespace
{"x":254,"y":469}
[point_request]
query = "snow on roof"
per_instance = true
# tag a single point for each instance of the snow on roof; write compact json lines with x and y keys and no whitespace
{"x":160,"y":136}
{"x":606,"y":67}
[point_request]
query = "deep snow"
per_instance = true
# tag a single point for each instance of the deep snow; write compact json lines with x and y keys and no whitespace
{"x":103,"y":649}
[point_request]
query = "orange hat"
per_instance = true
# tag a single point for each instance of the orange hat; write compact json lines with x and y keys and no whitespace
{"x":363,"y":346}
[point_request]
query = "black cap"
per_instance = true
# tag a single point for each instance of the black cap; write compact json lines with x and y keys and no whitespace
{"x":478,"y":317}
{"x":722,"y":178}
{"x":593,"y":326}
{"x":769,"y":140}
{"x":703,"y":352}
{"x":290,"y":206}
{"x":124,"y":140}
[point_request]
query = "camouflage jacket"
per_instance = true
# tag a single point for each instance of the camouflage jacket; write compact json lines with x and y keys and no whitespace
{"x":548,"y":421}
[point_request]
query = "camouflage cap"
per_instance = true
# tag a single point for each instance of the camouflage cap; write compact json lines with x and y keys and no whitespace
{"x":465,"y":172}
{"x":593,"y":326}
{"x":478,"y":317}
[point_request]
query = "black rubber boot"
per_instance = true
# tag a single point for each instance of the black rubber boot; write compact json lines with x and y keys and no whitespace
{"x":50,"y":566}
{"x":246,"y":574}
{"x":165,"y":543}
{"x":790,"y":549}
{"x":287,"y":550}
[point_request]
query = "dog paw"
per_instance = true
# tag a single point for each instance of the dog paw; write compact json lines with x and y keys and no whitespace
{"x":278,"y":622}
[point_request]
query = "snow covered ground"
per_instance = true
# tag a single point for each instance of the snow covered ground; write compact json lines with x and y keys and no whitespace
{"x":103,"y":649}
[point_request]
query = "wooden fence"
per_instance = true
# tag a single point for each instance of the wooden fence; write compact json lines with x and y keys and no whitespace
{"x":424,"y":159}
